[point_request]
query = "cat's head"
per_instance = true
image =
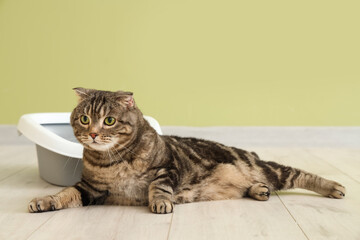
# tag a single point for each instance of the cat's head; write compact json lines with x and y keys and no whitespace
{"x":104,"y":120}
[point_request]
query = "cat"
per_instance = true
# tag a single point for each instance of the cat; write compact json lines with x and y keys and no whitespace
{"x":125,"y":162}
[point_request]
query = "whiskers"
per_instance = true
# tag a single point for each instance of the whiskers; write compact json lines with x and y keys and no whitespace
{"x":67,"y":160}
{"x":125,"y":148}
{"x":109,"y":154}
{"x":70,"y":166}
{"x":77,"y":163}
{"x":115,"y":155}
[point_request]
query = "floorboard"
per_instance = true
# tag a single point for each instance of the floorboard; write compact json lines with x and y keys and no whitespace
{"x":105,"y":222}
{"x":14,"y":158}
{"x":15,"y":193}
{"x":320,"y":217}
{"x":234,"y":219}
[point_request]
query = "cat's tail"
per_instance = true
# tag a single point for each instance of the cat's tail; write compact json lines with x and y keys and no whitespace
{"x":280,"y":177}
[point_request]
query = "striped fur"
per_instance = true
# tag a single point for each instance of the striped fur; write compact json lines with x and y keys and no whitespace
{"x":130,"y":164}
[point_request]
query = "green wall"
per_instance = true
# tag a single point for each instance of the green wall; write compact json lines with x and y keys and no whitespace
{"x":197,"y":62}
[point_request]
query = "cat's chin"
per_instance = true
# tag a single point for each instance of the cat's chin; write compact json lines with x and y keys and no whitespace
{"x":99,"y":147}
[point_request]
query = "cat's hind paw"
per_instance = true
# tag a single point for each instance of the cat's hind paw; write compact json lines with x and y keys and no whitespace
{"x":338,"y":191}
{"x":43,"y":204}
{"x":161,"y":206}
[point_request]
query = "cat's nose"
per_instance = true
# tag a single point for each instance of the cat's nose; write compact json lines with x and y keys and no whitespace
{"x":93,"y":135}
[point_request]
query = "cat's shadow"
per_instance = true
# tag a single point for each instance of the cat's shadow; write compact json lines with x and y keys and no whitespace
{"x":294,"y":193}
{"x":145,"y":209}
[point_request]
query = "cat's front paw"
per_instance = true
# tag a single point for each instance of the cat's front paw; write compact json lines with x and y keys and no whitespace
{"x":259,"y":191}
{"x":43,"y":204}
{"x":161,"y":206}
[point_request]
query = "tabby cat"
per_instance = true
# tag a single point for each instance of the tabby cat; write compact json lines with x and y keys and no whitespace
{"x":126,"y":162}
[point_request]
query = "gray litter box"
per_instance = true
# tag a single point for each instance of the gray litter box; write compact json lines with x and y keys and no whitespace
{"x":58,"y":151}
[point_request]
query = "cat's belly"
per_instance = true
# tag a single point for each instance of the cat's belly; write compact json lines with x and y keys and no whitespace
{"x":122,"y":200}
{"x":128,"y":192}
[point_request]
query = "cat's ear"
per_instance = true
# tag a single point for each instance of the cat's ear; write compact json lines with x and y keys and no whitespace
{"x":126,"y":99}
{"x":83,"y":93}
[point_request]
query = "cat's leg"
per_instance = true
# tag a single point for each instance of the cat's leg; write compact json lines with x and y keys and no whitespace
{"x":68,"y":197}
{"x":81,"y":194}
{"x":161,"y":192}
{"x":259,"y":191}
{"x":320,"y":185}
{"x":279,"y":177}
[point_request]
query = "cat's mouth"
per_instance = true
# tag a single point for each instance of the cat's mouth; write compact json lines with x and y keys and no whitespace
{"x":96,"y":143}
{"x":99,"y":146}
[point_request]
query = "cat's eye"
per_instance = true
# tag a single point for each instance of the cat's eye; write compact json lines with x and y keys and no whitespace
{"x":109,"y":121}
{"x":84,"y":119}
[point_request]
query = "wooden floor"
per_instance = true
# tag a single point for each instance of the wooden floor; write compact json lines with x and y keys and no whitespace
{"x":333,"y":153}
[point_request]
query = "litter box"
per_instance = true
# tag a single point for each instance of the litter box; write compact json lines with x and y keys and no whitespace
{"x":58,"y":151}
